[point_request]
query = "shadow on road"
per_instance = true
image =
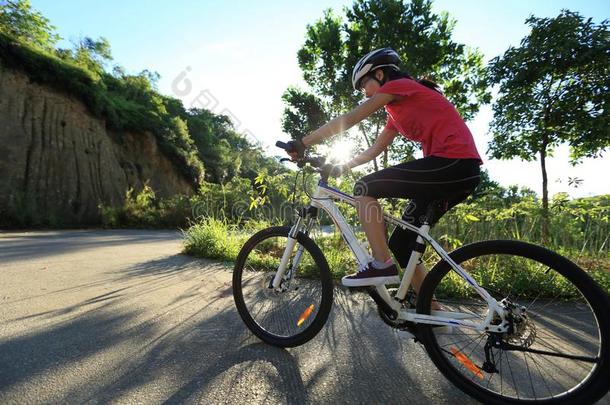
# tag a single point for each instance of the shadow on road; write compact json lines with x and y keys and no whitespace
{"x":123,"y":344}
{"x":48,"y":244}
{"x":289,"y":382}
{"x":64,"y":345}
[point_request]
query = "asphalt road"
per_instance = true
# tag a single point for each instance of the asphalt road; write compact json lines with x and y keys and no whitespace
{"x":123,"y":317}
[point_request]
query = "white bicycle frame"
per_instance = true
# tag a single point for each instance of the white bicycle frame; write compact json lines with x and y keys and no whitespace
{"x":325,"y":198}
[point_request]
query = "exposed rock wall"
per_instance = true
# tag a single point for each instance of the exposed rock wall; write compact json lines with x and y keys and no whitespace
{"x":59,"y":162}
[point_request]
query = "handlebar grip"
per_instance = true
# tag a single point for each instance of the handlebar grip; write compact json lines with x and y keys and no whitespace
{"x":282,"y":145}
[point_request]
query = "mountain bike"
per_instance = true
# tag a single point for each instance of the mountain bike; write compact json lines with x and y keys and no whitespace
{"x":517,"y":323}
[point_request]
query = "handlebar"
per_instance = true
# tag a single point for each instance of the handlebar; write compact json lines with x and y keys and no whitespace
{"x":313,"y":161}
{"x":282,"y":145}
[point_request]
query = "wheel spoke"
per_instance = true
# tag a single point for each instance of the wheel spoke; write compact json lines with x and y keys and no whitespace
{"x":556,"y":354}
{"x":297,"y":309}
{"x":552,"y":346}
{"x":512,"y":376}
{"x":530,"y":376}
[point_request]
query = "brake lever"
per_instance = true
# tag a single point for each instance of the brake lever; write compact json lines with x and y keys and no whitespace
{"x":300,"y":162}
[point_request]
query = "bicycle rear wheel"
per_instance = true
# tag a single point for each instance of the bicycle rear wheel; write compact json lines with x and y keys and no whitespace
{"x":558,"y":347}
{"x":294,"y":313}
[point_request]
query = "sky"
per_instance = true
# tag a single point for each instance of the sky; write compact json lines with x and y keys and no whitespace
{"x":238,"y":57}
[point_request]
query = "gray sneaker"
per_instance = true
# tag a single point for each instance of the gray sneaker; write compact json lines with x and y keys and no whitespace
{"x":370,"y":275}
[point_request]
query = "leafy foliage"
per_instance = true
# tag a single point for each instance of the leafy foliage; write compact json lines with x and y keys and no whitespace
{"x":225,"y":152}
{"x":554,"y":88}
{"x":89,"y":53}
{"x":19,"y":20}
{"x":303,"y":114}
{"x":221,"y":239}
{"x":334,"y":44}
{"x":191,"y":139}
{"x":126,"y":104}
{"x":145,"y":210}
{"x":581,"y":228}
{"x":213,"y":239}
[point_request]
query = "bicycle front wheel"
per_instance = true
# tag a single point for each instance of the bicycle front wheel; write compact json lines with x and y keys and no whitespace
{"x":293,"y":313}
{"x":557,"y":348}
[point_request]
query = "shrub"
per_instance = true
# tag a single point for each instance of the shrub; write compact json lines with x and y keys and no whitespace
{"x":214,"y":239}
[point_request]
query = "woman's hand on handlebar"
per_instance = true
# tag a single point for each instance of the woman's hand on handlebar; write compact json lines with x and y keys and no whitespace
{"x":296,"y":149}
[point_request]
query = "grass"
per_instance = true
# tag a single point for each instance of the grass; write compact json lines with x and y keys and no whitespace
{"x":221,"y":240}
{"x":214,"y":239}
{"x":521,"y":277}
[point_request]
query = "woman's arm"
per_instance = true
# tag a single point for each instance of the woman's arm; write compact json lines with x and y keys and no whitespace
{"x":383,"y":140}
{"x":348,"y":120}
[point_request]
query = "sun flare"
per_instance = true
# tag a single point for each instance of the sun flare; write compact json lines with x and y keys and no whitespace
{"x":340,"y":150}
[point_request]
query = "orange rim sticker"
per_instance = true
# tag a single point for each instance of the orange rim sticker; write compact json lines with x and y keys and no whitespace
{"x":466,"y":362}
{"x":305,"y":315}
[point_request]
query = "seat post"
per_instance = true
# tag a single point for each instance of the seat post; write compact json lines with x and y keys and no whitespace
{"x":416,"y":254}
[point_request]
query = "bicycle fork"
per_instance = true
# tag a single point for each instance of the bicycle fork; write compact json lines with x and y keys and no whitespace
{"x":291,"y":243}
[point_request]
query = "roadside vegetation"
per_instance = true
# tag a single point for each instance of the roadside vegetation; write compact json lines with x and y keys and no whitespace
{"x":239,"y":190}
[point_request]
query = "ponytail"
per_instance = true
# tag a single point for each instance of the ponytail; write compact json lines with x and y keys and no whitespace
{"x":430,"y":84}
{"x":393,"y":74}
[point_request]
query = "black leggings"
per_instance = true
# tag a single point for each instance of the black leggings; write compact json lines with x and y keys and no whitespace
{"x":423,"y":181}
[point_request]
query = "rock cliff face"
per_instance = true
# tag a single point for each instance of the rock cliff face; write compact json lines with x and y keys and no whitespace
{"x":59,"y":162}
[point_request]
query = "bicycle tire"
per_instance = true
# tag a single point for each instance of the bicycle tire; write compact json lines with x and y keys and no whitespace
{"x":589,"y":390}
{"x":325,"y":288}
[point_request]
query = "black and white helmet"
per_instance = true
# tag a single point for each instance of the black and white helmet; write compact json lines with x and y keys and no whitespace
{"x":373,"y":60}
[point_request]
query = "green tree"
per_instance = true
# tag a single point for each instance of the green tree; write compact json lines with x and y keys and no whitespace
{"x":304,"y":113}
{"x":334,"y":44}
{"x":91,"y":54}
{"x":553,"y":89}
{"x":224,"y":152}
{"x":487,"y":187}
{"x":19,"y":20}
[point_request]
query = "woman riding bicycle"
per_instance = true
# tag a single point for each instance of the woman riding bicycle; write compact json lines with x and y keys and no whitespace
{"x":448,"y":172}
{"x":541,"y":334}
